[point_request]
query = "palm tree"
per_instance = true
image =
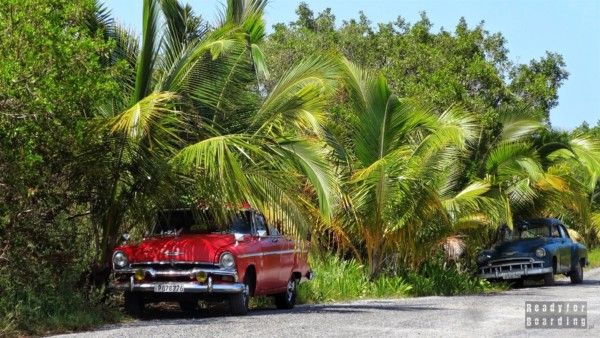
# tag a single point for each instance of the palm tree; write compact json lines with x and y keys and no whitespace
{"x":194,"y":118}
{"x":575,"y":159}
{"x":395,"y":150}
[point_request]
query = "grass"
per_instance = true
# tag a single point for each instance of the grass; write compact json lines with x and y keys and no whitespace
{"x":37,"y":314}
{"x":594,"y":258}
{"x":338,"y":279}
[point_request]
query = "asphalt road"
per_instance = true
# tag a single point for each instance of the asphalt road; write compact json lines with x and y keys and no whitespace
{"x":501,"y":314}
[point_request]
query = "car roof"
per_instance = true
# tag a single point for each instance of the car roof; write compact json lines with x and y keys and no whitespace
{"x":540,"y":221}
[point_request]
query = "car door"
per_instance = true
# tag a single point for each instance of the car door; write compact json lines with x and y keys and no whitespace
{"x":286,"y":255}
{"x":566,"y":245}
{"x":270,"y":247}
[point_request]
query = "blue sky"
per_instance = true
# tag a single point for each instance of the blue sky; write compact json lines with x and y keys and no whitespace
{"x":571,"y":28}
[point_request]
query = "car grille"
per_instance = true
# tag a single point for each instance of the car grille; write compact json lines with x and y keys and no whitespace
{"x":161,"y":266}
{"x":176,"y":271}
{"x":511,"y":264}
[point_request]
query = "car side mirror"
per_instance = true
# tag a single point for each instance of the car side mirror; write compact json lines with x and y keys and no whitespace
{"x":261,"y":233}
{"x":125,"y":238}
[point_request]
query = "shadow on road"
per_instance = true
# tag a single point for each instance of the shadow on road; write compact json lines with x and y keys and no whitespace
{"x":167,"y":314}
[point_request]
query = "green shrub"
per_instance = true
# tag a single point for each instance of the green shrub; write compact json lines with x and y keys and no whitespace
{"x":51,"y":310}
{"x":335,"y":279}
{"x":594,"y":258}
{"x":338,"y":279}
{"x":435,"y":279}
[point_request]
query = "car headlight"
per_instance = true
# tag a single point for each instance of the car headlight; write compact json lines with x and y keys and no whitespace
{"x":540,"y":252}
{"x":482,"y":258}
{"x":120,"y":259}
{"x":227,"y":261}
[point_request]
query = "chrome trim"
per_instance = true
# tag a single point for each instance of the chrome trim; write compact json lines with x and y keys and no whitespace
{"x":178,"y":273}
{"x":511,"y":259}
{"x":280,"y":252}
{"x":516,"y":274}
{"x":187,"y":287}
{"x":513,"y":268}
{"x":173,"y":262}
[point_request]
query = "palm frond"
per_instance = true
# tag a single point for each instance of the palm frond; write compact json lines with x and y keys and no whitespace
{"x":311,"y":158}
{"x":297,"y":100}
{"x":260,"y":62}
{"x":151,"y":42}
{"x":152,"y":119}
{"x":507,"y":154}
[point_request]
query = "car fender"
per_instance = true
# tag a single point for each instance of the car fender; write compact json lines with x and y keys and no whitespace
{"x":578,"y":252}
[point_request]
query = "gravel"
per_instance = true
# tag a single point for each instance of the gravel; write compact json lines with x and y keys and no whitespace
{"x":499,"y":314}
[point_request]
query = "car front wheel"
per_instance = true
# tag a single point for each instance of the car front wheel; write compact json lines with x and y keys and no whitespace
{"x":134,"y":304}
{"x":577,"y":273}
{"x":287,"y":299}
{"x":238,"y":303}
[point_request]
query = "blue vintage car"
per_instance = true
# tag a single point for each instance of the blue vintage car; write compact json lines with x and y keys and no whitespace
{"x":534,"y":249}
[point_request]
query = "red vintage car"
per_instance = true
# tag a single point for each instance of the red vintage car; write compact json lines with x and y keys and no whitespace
{"x":191,"y":257}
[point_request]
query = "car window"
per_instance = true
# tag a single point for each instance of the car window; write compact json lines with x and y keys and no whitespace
{"x":241,"y":223}
{"x":554,"y":232}
{"x":178,"y":221}
{"x":534,"y":231}
{"x":503,"y":234}
{"x":259,"y":222}
{"x":563,"y":231}
{"x":273,"y":230}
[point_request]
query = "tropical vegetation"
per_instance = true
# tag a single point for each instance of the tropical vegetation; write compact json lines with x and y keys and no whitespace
{"x":395,"y":149}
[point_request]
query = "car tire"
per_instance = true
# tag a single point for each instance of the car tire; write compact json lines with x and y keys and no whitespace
{"x":238,"y":302}
{"x":134,"y":304}
{"x":518,"y":283}
{"x":287,"y":299}
{"x":188,"y":306}
{"x":549,"y":279}
{"x":577,"y":274}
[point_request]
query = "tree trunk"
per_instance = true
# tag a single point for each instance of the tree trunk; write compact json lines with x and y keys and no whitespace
{"x":374,"y":259}
{"x":110,"y":232}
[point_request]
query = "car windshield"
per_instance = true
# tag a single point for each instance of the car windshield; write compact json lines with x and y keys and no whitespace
{"x":522,"y":231}
{"x":189,"y":221}
{"x":533,"y":231}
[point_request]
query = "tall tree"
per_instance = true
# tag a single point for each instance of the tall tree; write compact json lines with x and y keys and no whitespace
{"x":468,"y":66}
{"x":393,"y":149}
{"x":196,"y":119}
{"x":51,"y":77}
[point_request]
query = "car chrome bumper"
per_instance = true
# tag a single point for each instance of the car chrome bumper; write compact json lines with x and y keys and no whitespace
{"x":176,"y":273}
{"x":188,"y":287}
{"x":514,"y":274}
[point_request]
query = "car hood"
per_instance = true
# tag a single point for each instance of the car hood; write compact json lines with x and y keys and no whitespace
{"x":518,"y":248}
{"x":185,"y":248}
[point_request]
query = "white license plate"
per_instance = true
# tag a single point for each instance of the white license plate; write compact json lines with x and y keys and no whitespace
{"x":511,"y":275}
{"x":168,"y":288}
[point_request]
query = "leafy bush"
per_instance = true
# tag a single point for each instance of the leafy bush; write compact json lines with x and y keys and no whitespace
{"x":38,"y":311}
{"x":594,"y":258}
{"x":338,"y":279}
{"x":435,"y":279}
{"x":41,"y":281}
